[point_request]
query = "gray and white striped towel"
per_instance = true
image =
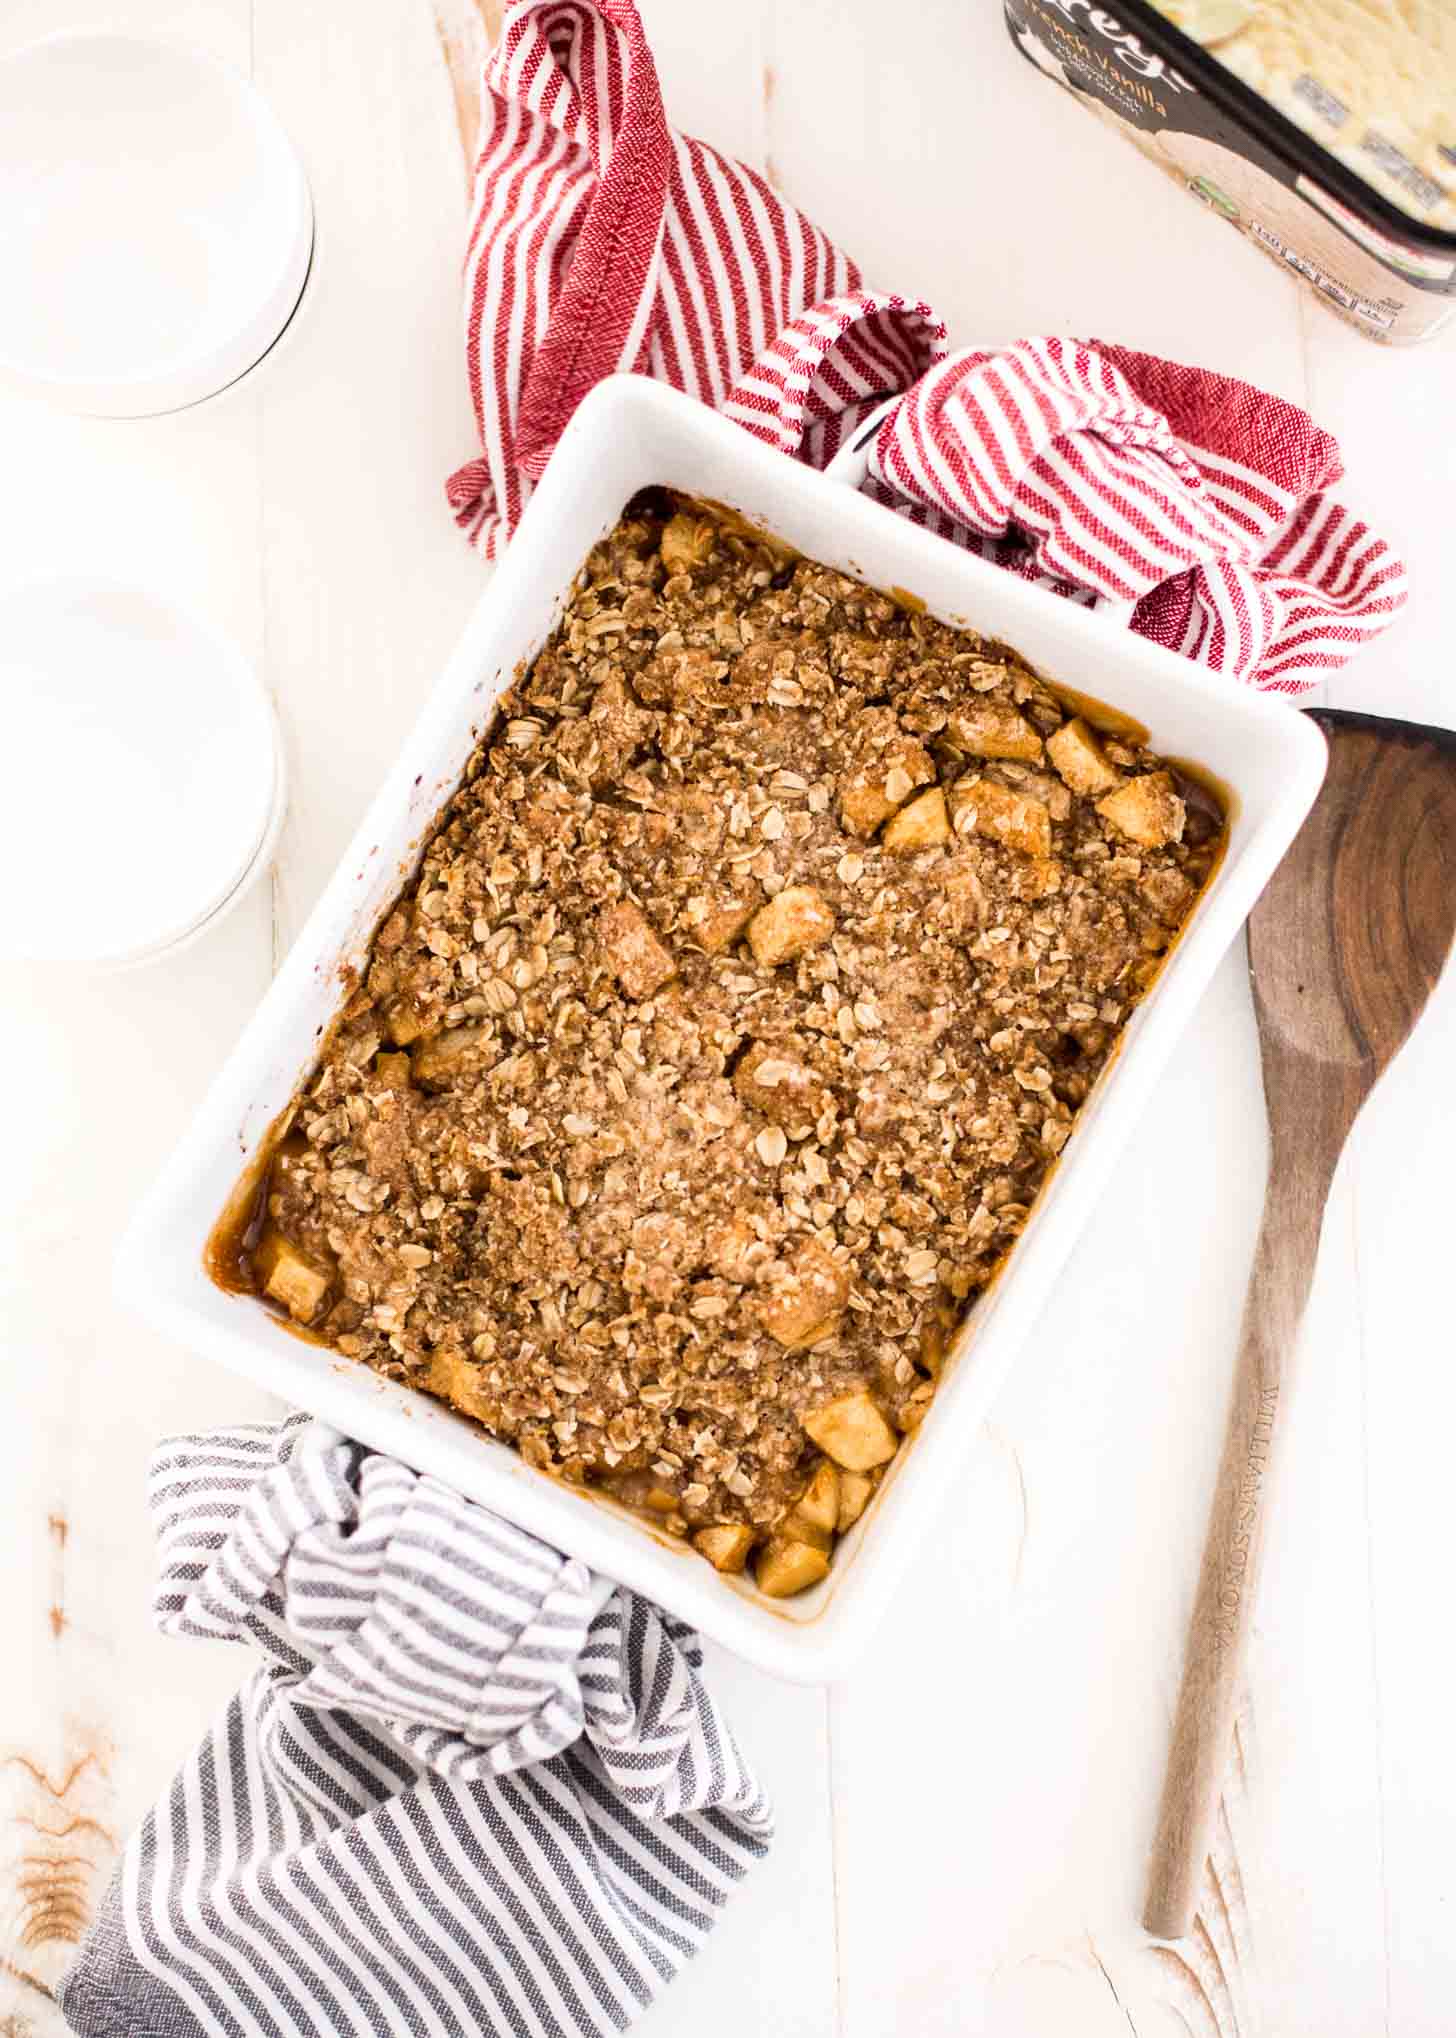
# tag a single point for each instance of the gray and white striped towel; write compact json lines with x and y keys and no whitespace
{"x":470,"y":1791}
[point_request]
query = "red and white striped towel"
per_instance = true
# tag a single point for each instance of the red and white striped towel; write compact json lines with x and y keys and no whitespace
{"x":601,"y":241}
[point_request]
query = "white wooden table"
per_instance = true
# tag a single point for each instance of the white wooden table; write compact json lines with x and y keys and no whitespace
{"x":963,"y":1825}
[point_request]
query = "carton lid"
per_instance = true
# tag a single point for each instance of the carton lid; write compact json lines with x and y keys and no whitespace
{"x":139,"y":773}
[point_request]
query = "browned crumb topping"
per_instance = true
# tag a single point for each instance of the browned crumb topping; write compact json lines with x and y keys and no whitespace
{"x":745,"y":997}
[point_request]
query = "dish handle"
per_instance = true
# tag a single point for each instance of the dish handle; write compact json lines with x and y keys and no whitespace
{"x":851,"y":464}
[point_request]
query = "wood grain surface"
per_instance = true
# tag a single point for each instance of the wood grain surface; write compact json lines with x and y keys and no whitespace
{"x":964,"y":1825}
{"x":467,"y":30}
{"x":1345,"y":948}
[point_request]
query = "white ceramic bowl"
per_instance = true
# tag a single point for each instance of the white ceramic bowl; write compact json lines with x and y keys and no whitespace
{"x":629,"y":433}
{"x":155,"y":223}
{"x":166,"y":748}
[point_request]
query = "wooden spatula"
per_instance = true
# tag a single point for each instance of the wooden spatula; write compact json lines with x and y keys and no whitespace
{"x":1344,"y":949}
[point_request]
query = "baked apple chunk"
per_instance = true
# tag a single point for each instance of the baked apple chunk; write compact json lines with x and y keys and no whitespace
{"x":853,"y":1432}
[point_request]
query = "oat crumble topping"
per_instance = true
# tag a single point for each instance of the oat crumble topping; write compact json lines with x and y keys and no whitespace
{"x":745,"y":996}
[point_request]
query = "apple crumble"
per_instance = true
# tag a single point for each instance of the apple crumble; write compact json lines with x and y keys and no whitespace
{"x":746,"y":993}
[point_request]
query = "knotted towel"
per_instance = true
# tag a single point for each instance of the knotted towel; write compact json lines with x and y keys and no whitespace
{"x":469,"y":1791}
{"x":601,"y":240}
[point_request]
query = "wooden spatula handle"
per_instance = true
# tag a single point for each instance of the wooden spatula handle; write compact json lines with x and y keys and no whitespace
{"x":1279,"y":1285}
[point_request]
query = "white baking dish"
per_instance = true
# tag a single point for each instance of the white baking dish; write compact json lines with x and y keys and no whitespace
{"x":630,"y":433}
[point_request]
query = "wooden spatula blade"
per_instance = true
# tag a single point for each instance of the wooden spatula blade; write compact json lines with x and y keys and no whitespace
{"x":1356,"y":923}
{"x":1395,"y":876}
